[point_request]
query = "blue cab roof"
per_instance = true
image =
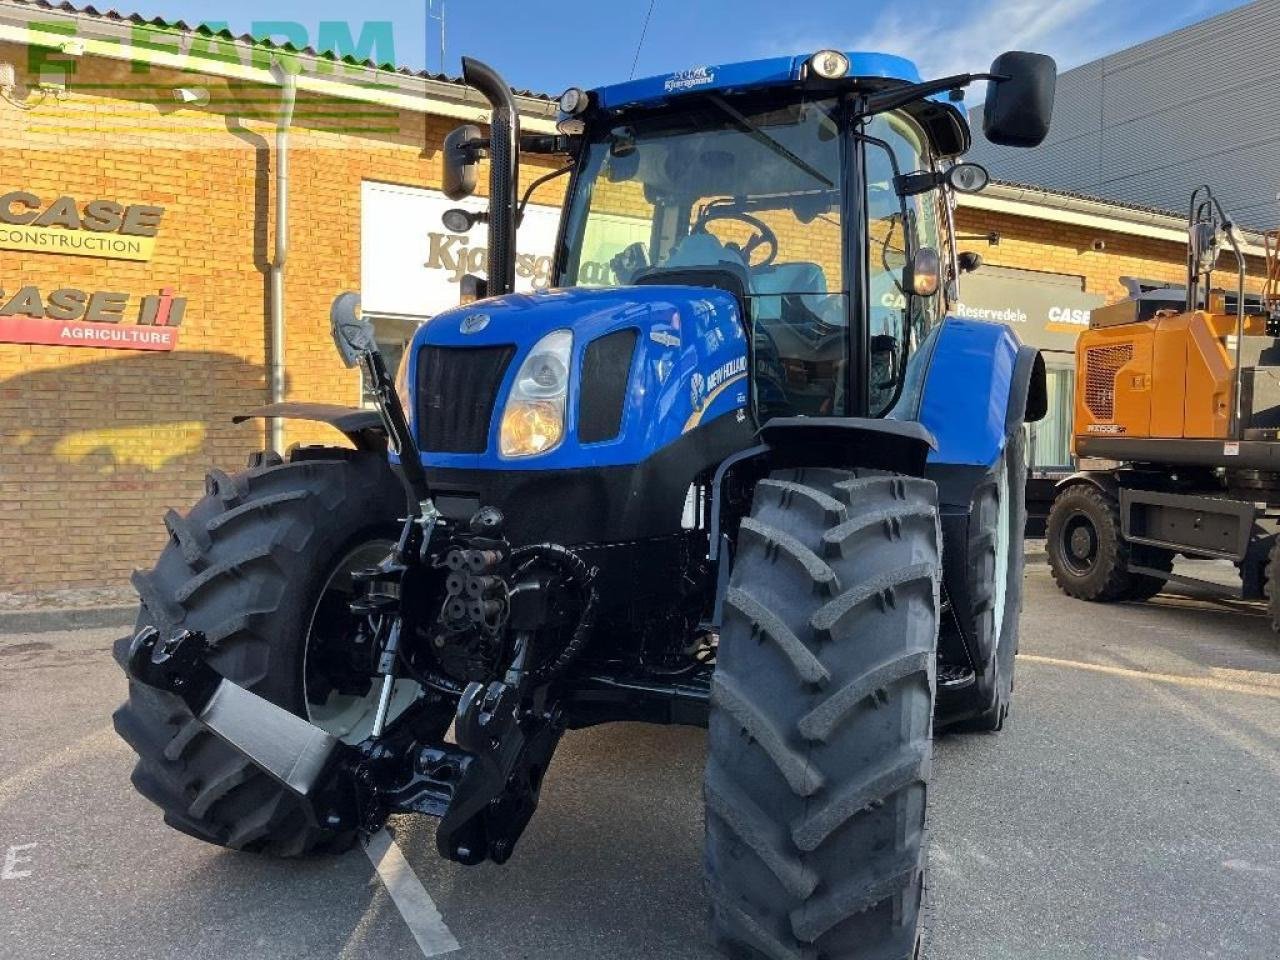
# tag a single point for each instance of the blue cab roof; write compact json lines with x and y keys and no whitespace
{"x":750,"y":74}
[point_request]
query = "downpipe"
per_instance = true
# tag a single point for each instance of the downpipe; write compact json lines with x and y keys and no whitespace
{"x":275,"y":373}
{"x":504,"y":172}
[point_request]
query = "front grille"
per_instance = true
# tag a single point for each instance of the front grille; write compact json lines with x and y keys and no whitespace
{"x":1101,"y":364}
{"x":605,"y":365}
{"x":457,"y":389}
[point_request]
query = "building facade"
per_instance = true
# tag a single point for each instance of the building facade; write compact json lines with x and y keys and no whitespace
{"x":1149,"y":124}
{"x":138,"y":236}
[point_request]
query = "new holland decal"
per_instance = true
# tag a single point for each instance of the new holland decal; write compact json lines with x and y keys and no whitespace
{"x":704,"y":389}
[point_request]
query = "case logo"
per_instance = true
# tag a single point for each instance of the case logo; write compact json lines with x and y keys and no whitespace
{"x":473,"y":323}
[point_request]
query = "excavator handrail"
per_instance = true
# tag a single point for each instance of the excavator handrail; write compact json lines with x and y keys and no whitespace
{"x":1271,"y":285}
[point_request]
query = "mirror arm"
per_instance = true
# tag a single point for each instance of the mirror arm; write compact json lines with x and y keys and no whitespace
{"x":524,"y":201}
{"x":901,"y":96}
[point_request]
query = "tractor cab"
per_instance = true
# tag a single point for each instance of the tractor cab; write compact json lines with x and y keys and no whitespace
{"x":816,"y":190}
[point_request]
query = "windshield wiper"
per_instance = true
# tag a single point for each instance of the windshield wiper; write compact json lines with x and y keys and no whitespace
{"x":763,"y":138}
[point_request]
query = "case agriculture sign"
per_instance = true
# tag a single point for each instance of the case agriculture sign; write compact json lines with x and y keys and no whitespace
{"x":102,"y":318}
{"x":93,"y":228}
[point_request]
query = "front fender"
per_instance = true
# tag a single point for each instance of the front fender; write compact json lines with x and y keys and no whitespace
{"x":976,"y":385}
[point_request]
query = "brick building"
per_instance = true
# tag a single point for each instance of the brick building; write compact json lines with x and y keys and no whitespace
{"x":140,"y":193}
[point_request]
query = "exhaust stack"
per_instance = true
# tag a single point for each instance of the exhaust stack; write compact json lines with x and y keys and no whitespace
{"x":504,"y":172}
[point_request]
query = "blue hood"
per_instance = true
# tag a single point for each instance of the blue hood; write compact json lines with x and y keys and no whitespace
{"x":689,"y":366}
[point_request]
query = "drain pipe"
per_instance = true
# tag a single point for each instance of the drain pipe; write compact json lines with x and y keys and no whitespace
{"x":288,"y":94}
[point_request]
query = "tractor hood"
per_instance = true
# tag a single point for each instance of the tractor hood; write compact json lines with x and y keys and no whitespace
{"x":648,"y":365}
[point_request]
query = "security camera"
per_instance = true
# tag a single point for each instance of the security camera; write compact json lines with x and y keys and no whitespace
{"x":1098,"y":246}
{"x":192,"y":96}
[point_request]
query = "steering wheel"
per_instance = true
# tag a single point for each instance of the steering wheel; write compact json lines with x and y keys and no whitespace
{"x":764,"y":233}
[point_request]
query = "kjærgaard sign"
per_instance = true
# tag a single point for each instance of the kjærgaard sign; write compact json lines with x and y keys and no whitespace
{"x":411,"y":265}
{"x":94,"y":228}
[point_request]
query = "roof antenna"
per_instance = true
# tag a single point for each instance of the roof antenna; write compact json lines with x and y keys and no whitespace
{"x":438,"y":6}
{"x":643,"y":31}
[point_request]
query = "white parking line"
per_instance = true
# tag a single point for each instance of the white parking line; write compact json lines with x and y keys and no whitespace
{"x":1207,"y":683}
{"x":410,"y":897}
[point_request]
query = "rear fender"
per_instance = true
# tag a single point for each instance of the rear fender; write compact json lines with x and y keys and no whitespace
{"x":363,"y":428}
{"x":975,"y":385}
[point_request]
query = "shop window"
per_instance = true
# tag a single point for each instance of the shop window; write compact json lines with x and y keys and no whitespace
{"x":1049,"y":440}
{"x":393,"y":335}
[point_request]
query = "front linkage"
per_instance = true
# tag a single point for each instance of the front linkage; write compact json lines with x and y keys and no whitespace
{"x":496,"y":599}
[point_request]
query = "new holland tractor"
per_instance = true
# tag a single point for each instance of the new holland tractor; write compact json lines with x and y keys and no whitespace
{"x":736,"y":468}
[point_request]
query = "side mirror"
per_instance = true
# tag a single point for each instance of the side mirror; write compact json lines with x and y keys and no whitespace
{"x":1206,"y":246}
{"x":460,"y":162}
{"x":969,"y":261}
{"x":924,"y":273}
{"x":352,"y":334}
{"x":1020,"y":99}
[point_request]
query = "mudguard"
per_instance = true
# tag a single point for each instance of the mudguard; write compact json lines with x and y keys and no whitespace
{"x":973,"y":385}
{"x":363,"y":428}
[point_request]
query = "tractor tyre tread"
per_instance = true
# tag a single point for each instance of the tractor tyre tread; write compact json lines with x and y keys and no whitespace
{"x":243,"y":566}
{"x":819,"y":746}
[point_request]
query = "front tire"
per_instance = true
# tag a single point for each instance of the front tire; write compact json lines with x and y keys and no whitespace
{"x":819,"y":745}
{"x":248,"y":566}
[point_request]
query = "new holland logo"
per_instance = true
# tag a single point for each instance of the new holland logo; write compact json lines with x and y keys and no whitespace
{"x":473,"y":323}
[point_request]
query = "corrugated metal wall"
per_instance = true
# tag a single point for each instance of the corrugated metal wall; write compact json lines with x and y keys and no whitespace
{"x":1149,"y":124}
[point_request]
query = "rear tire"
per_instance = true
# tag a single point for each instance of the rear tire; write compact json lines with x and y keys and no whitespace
{"x":819,"y":746}
{"x":1088,"y":554}
{"x":247,"y":566}
{"x":997,"y":524}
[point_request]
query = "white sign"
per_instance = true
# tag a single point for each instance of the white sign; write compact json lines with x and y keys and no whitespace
{"x":410,"y":265}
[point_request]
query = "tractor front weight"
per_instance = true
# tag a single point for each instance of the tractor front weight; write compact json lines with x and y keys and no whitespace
{"x":485,"y":786}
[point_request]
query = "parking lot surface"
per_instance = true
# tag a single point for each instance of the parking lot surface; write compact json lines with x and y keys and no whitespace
{"x":1129,"y":810}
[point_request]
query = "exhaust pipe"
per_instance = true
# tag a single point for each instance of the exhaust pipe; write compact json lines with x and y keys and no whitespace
{"x":504,"y":172}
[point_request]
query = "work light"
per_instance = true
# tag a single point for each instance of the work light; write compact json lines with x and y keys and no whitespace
{"x":574,"y":100}
{"x":829,"y":64}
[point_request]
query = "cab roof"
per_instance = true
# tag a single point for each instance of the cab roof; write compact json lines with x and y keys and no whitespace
{"x":945,"y":122}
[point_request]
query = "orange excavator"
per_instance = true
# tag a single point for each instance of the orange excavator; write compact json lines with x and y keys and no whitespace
{"x":1177,"y":427}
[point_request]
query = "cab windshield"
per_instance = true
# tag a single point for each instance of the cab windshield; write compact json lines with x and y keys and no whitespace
{"x":751,"y":198}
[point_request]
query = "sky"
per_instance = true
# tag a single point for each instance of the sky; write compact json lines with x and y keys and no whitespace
{"x":549,"y":46}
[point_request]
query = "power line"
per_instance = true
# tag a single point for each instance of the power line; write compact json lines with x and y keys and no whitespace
{"x":643,"y":31}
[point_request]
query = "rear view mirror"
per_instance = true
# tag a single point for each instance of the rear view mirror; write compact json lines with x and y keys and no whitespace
{"x":460,"y":162}
{"x":1020,"y":100}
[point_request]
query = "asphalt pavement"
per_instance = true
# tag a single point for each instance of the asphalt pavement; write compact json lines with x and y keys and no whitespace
{"x":1129,"y":810}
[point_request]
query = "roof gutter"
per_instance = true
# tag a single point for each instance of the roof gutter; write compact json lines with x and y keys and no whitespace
{"x":316,"y":75}
{"x":1020,"y":201}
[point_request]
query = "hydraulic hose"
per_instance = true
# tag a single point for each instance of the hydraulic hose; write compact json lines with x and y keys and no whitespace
{"x":576,"y":571}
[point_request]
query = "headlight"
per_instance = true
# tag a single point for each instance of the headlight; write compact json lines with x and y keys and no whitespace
{"x":533,"y":418}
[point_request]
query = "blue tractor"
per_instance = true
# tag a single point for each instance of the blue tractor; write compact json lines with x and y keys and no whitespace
{"x":736,"y":468}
